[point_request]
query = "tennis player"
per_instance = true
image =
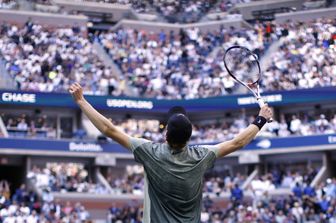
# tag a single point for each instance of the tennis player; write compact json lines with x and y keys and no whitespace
{"x":173,"y":170}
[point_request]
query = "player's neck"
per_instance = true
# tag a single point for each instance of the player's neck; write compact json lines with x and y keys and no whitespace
{"x":176,"y":147}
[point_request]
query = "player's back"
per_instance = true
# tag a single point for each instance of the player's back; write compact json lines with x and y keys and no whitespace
{"x":173,"y":180}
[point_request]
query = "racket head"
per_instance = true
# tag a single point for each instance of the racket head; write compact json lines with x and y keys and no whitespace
{"x":242,"y":65}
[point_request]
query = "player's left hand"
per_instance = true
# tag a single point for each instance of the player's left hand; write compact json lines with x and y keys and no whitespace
{"x":76,"y":91}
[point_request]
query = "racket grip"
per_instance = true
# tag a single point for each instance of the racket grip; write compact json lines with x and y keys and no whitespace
{"x":262,"y":103}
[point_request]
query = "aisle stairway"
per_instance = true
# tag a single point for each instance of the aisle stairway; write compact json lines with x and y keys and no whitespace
{"x":6,"y":82}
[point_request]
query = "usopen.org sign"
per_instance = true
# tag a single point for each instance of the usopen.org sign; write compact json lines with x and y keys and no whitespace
{"x":125,"y":103}
{"x":18,"y":97}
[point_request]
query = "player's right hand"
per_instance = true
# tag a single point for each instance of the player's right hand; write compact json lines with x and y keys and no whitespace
{"x":77,"y":92}
{"x":266,"y":112}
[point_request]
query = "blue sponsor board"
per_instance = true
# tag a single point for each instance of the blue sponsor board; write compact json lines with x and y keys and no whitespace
{"x":276,"y":98}
{"x":292,"y":142}
{"x":94,"y":147}
{"x":60,"y":145}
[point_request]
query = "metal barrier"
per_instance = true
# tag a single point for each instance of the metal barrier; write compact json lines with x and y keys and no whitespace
{"x":236,"y":22}
{"x":6,"y":81}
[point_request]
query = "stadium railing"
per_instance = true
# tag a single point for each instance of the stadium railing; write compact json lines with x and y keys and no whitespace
{"x":254,"y":9}
{"x":3,"y":130}
{"x":113,"y":12}
{"x":6,"y":82}
{"x":42,"y":18}
{"x":236,"y":22}
{"x":21,"y":17}
{"x":305,"y":15}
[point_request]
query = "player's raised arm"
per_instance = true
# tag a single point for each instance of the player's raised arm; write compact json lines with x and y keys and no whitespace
{"x":245,"y":137}
{"x":104,"y":125}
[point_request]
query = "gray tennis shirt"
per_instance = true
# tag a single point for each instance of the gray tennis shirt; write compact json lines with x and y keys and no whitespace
{"x":173,"y":181}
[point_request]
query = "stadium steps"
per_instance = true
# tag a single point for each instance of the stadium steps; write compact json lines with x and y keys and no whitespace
{"x":266,"y":59}
{"x":249,"y":179}
{"x":325,"y":172}
{"x":106,"y":59}
{"x":3,"y":130}
{"x":6,"y":82}
{"x":103,"y":181}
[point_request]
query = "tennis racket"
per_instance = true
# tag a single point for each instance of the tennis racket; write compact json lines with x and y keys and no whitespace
{"x":243,"y":66}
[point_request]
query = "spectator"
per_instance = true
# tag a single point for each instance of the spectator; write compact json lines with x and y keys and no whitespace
{"x":236,"y":194}
{"x":322,"y":123}
{"x":295,"y":125}
{"x":297,"y":190}
{"x":64,"y":177}
{"x":309,"y":191}
{"x":22,"y":125}
{"x":46,"y":60}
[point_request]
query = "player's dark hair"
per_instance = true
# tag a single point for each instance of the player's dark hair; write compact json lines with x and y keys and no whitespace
{"x":179,"y":129}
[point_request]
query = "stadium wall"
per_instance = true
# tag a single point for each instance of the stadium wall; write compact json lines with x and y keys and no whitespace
{"x":236,"y":22}
{"x":266,"y":8}
{"x":306,"y":15}
{"x":80,"y":148}
{"x":21,"y":17}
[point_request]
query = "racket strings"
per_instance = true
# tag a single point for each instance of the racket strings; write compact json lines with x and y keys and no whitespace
{"x":243,"y":65}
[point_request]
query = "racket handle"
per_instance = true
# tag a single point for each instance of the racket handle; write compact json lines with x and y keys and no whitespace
{"x":262,"y":103}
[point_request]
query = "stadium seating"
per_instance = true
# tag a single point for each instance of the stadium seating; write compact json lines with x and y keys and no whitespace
{"x":317,"y":207}
{"x":8,"y":4}
{"x":64,"y":177}
{"x":24,"y":206}
{"x":305,"y":59}
{"x":160,"y":64}
{"x":45,"y":60}
{"x":25,"y":126}
{"x":260,"y":183}
{"x":216,"y":184}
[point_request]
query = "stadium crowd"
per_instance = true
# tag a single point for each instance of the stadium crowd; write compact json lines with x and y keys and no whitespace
{"x":25,"y":206}
{"x":64,"y":177}
{"x":132,"y":181}
{"x":284,"y":177}
{"x":305,"y":204}
{"x":214,"y":131}
{"x":306,"y":57}
{"x":39,"y":126}
{"x":160,"y":64}
{"x":172,"y":11}
{"x":43,"y":126}
{"x":187,"y":11}
{"x":226,"y":5}
{"x":8,"y":4}
{"x":183,"y":11}
{"x":49,"y":60}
